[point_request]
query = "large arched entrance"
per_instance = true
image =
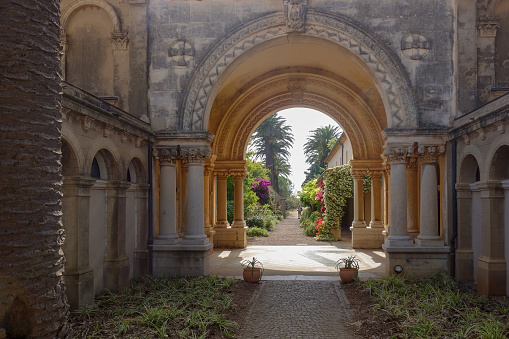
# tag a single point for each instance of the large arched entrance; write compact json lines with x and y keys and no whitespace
{"x":333,"y":66}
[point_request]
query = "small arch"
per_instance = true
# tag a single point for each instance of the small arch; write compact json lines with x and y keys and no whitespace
{"x":115,"y":19}
{"x":499,"y":166}
{"x":70,"y":165}
{"x":103,"y":166}
{"x":136,"y":173}
{"x":469,"y":170}
{"x":111,"y":162}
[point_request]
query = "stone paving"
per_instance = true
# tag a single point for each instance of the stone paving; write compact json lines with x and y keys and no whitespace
{"x":298,"y":309}
{"x":300,"y":295}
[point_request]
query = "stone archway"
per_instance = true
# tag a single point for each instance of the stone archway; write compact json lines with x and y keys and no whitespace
{"x":387,"y":73}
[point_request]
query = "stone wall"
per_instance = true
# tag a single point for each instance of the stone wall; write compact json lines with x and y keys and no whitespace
{"x":419,"y":34}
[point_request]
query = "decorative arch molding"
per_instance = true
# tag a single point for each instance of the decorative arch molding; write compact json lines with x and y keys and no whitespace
{"x":248,"y":111}
{"x":491,"y":158}
{"x":466,"y":168}
{"x":115,"y":18}
{"x":492,"y":6}
{"x":72,"y":141}
{"x":472,"y":150}
{"x":393,"y":82}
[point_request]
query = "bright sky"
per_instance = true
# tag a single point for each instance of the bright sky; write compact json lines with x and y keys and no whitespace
{"x":302,"y":121}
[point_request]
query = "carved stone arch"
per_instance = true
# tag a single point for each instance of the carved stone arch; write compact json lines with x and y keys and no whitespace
{"x":391,"y":79}
{"x":347,"y":108}
{"x":497,"y":160}
{"x":135,"y":162}
{"x":473,"y":151}
{"x":468,"y":168}
{"x":112,"y":158}
{"x":73,"y":143}
{"x":74,"y":6}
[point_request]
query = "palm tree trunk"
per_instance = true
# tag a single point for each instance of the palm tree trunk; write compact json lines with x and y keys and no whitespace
{"x":32,"y":300}
{"x":270,"y":163}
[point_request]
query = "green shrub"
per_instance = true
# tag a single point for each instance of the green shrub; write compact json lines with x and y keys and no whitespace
{"x":257,"y":232}
{"x":291,"y":203}
{"x":229,"y":211}
{"x":255,"y":221}
{"x":269,"y":223}
{"x":308,"y":227}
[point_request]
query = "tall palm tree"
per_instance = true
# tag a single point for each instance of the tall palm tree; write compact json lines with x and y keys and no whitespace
{"x":318,"y":145}
{"x":270,"y":140}
{"x":32,"y":300}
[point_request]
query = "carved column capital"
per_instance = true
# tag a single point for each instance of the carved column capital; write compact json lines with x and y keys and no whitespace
{"x":207,"y":170}
{"x":166,"y":156}
{"x":488,"y":27}
{"x":238,"y":174}
{"x":222,"y":174}
{"x":196,"y":155}
{"x":430,"y":154}
{"x":119,"y":40}
{"x":398,"y":155}
{"x":376,"y":174}
{"x":412,"y":162}
{"x":358,"y":173}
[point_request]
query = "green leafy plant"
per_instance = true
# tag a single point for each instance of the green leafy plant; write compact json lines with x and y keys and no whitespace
{"x":257,"y":232}
{"x":252,"y":264}
{"x":348,"y":262}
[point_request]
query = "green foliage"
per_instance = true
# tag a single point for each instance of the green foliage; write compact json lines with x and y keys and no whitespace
{"x":308,"y":227}
{"x":318,"y":145}
{"x":230,"y":211}
{"x":338,"y":187}
{"x":257,"y":232}
{"x":160,"y":307}
{"x":262,"y":217}
{"x":292,"y":202}
{"x":308,"y":195}
{"x":285,"y":187}
{"x":436,"y":307}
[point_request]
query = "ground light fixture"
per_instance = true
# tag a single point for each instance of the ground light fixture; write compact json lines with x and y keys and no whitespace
{"x":398,"y":269}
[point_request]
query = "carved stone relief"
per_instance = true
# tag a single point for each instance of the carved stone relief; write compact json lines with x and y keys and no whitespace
{"x":181,"y":53}
{"x":415,"y":46}
{"x":295,"y":15}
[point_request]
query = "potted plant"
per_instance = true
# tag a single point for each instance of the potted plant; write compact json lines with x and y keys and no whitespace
{"x":253,"y":270}
{"x":348,"y":268}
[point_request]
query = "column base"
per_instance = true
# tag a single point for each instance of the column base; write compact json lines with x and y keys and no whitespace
{"x":140,"y":262}
{"x":429,"y":241}
{"x":399,"y":241}
{"x":367,"y":237}
{"x":491,"y":277}
{"x":167,"y":241}
{"x":181,"y":260}
{"x":464,"y":265}
{"x":238,"y":224}
{"x":200,"y":239}
{"x":116,"y":274}
{"x":79,"y":287}
{"x":413,"y":234}
{"x":358,"y":224}
{"x":222,"y":224}
{"x":231,"y":237}
{"x":416,"y":261}
{"x":376,"y":224}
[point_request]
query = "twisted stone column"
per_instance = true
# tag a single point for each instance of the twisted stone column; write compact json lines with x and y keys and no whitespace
{"x":195,"y":209}
{"x":168,"y":197}
{"x":358,"y":198}
{"x":222,"y":219}
{"x":428,"y":221}
{"x":398,"y":210}
{"x":238,"y":217}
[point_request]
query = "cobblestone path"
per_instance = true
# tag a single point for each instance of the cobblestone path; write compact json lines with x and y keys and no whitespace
{"x":298,"y":309}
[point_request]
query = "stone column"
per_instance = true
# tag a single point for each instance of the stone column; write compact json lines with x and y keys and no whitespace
{"x":398,"y":211}
{"x":358,"y":198}
{"x":428,"y":221}
{"x":376,"y":199}
{"x":119,"y":43}
{"x":141,"y":257}
{"x":412,"y":197}
{"x":222,"y":219}
{"x":195,"y":210}
{"x":168,"y":197}
{"x":238,"y":216}
{"x":79,"y":276}
{"x":464,"y":251}
{"x":491,"y":268}
{"x":487,"y":28}
{"x":387,"y":187}
{"x":184,"y":171}
{"x":116,"y":263}
{"x":207,"y":191}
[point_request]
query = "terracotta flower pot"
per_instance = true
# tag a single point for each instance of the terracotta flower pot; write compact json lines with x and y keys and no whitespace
{"x":252,"y":274}
{"x":347,"y":275}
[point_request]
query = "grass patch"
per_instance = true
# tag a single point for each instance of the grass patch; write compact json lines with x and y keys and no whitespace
{"x":161,"y":308}
{"x":436,"y":307}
